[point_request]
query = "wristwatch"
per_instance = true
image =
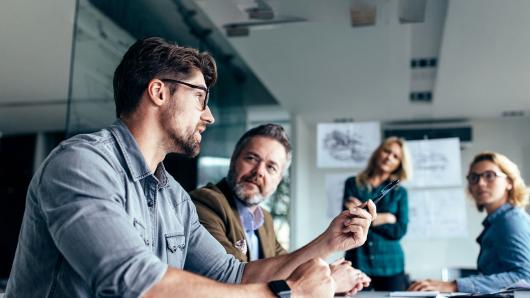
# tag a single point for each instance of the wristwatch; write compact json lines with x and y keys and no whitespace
{"x":280,"y":288}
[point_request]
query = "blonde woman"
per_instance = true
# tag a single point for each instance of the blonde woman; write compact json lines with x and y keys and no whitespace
{"x":381,"y":257}
{"x":496,"y":186}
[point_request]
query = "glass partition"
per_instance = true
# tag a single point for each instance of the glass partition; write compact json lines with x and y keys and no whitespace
{"x":98,"y":47}
{"x":103,"y":32}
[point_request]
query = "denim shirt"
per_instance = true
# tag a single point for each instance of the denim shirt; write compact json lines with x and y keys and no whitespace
{"x":504,"y":256}
{"x":251,"y":222}
{"x":98,"y":223}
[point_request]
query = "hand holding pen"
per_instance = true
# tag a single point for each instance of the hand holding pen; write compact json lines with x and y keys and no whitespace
{"x":382,"y":218}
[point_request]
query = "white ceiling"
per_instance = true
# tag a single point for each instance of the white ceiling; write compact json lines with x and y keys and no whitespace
{"x":485,"y":62}
{"x":325,"y":69}
{"x":322,"y":69}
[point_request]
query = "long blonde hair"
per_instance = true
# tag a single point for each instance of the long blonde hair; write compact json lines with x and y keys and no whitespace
{"x":518,"y":195}
{"x":403,"y":172}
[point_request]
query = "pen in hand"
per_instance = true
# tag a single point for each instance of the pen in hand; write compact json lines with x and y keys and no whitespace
{"x":380,"y":195}
{"x":385,"y":190}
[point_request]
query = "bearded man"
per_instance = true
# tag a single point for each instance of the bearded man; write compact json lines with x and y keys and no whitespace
{"x":230,"y":210}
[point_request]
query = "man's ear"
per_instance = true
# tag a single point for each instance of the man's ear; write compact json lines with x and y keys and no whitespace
{"x":156,"y":92}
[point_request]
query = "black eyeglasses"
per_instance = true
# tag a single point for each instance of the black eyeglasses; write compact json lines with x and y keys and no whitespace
{"x":489,"y":176}
{"x":203,"y":99}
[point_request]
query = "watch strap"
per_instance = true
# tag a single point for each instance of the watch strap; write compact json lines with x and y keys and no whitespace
{"x":280,"y":288}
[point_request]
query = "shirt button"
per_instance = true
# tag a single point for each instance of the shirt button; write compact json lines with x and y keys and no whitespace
{"x":370,"y":243}
{"x":146,"y":242}
{"x":371,"y":257}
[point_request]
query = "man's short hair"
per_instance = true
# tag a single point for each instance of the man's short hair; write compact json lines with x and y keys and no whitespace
{"x":154,"y":57}
{"x":269,"y":130}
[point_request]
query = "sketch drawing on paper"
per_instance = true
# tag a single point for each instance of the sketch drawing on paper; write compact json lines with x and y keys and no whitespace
{"x":436,"y":163}
{"x":437,"y":213}
{"x":345,"y":146}
{"x":431,"y":161}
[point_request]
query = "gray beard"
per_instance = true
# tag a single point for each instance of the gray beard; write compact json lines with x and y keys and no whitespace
{"x":239,"y":191}
{"x":249,"y":201}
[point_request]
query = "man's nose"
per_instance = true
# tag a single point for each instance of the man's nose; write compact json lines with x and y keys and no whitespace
{"x":259,"y":169}
{"x":207,"y":116}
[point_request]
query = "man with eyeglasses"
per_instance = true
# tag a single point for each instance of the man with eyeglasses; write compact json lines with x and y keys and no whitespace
{"x":103,"y":218}
{"x":202,"y":96}
{"x":230,"y":210}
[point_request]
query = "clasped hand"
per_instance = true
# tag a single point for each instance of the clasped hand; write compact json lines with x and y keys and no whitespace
{"x":348,"y":280}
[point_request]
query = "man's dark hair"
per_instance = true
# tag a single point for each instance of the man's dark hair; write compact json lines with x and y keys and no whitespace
{"x":269,"y":130}
{"x":154,"y":57}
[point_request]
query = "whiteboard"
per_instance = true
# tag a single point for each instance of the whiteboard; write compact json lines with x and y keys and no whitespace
{"x":335,"y":191}
{"x":437,"y":213}
{"x":346,"y":145}
{"x":435,"y":163}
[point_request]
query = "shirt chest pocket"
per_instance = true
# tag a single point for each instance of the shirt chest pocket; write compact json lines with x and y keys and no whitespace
{"x":175,"y":248}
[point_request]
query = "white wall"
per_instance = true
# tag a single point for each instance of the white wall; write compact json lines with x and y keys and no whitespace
{"x":34,"y":64}
{"x":424,"y":258}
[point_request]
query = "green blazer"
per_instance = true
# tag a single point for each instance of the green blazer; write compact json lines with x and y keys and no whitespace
{"x":218,"y":213}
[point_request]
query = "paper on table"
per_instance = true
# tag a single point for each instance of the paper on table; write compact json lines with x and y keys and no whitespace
{"x":521,"y":294}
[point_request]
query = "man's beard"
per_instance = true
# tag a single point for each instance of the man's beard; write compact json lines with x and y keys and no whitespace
{"x":249,"y":201}
{"x":184,"y":144}
{"x":239,"y":190}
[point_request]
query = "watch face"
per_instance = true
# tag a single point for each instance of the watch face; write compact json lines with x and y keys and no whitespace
{"x":280,"y":288}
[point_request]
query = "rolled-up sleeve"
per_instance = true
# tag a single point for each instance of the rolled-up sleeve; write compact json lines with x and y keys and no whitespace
{"x":491,"y":283}
{"x":83,"y":207}
{"x":207,"y":257}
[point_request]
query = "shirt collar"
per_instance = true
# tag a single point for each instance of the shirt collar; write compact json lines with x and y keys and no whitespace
{"x":496,"y":214}
{"x":134,"y":158}
{"x":249,"y":220}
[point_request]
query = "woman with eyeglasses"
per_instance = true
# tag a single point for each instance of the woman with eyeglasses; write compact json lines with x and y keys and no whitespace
{"x":496,"y":186}
{"x":381,"y":257}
